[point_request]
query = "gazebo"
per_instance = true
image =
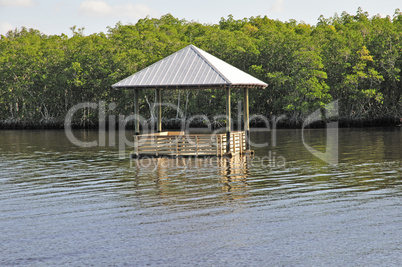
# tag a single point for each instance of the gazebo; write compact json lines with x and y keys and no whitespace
{"x":191,"y":68}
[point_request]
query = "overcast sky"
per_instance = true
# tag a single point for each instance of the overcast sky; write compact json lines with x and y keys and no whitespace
{"x":57,"y":16}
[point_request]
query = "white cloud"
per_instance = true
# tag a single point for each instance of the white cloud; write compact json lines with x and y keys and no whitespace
{"x":5,"y":27}
{"x":277,"y":6}
{"x":17,"y":3}
{"x":99,"y":9}
{"x":130,"y":10}
{"x":96,"y":8}
{"x":60,"y":7}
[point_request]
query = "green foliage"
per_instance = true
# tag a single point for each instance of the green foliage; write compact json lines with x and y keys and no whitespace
{"x":355,"y":59}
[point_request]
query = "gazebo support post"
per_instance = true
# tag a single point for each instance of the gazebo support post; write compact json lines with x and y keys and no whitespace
{"x":246,"y":118}
{"x":159,"y":110}
{"x":136,"y":122}
{"x":228,"y":121}
{"x":136,"y":112}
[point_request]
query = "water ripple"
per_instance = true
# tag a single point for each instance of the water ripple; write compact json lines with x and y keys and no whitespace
{"x":66,"y":206}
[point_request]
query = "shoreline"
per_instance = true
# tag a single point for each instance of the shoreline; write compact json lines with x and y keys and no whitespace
{"x":175,"y":124}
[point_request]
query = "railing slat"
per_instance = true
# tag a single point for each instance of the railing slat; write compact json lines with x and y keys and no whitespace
{"x":203,"y":144}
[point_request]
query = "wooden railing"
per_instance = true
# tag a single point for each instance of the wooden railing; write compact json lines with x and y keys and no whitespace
{"x":180,"y":144}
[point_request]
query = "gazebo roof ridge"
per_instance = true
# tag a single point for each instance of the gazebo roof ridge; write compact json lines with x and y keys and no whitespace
{"x":208,"y":62}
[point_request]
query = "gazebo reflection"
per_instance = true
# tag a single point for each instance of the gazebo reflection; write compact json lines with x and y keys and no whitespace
{"x":233,"y":173}
{"x":182,"y":175}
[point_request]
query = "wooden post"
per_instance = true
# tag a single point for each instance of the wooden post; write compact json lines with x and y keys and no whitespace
{"x":177,"y":146}
{"x":228,"y":120}
{"x":156,"y":146}
{"x":136,"y":112}
{"x":136,"y":148}
{"x":159,"y":110}
{"x":136,"y":122}
{"x":240,"y":142}
{"x":217,"y":145}
{"x":221,"y":145}
{"x":246,"y":118}
{"x":196,"y":146}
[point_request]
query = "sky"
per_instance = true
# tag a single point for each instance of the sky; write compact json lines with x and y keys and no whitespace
{"x":54,"y":17}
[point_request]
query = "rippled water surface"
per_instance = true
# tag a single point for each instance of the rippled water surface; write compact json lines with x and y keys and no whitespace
{"x":65,"y":205}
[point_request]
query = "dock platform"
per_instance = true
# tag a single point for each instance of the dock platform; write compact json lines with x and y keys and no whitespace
{"x":179,"y":144}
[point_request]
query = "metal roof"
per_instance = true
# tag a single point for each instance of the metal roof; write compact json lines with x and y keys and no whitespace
{"x":190,"y":67}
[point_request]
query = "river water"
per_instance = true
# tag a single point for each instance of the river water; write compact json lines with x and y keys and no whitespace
{"x":64,"y":205}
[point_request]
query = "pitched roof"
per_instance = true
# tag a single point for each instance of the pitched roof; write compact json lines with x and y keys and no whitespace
{"x":190,"y":67}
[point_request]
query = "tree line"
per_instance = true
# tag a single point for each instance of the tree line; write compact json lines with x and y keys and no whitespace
{"x":355,"y":59}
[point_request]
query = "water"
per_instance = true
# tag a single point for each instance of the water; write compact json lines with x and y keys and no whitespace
{"x":63,"y":205}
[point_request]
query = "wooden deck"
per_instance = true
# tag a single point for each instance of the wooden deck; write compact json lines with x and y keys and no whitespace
{"x":179,"y":144}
